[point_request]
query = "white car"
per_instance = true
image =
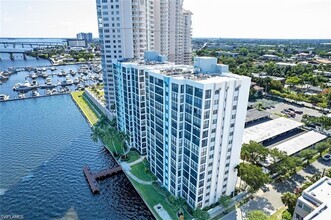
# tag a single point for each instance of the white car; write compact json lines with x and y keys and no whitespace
{"x":327,"y":157}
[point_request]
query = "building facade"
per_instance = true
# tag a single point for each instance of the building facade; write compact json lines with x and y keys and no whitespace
{"x":189,"y":120}
{"x":128,"y":28}
{"x":315,"y":201}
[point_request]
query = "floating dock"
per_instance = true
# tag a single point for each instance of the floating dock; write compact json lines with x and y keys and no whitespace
{"x":92,"y":178}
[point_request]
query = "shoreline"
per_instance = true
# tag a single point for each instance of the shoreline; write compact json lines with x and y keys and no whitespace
{"x":116,"y":160}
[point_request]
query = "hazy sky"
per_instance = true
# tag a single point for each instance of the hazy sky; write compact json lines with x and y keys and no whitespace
{"x":212,"y":18}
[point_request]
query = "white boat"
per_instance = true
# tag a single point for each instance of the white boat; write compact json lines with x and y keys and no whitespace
{"x":48,"y":81}
{"x":44,"y":74}
{"x":4,"y":97}
{"x":48,"y":92}
{"x":33,"y":76}
{"x":71,"y":72}
{"x":53,"y":68}
{"x":76,"y":81}
{"x":69,"y":80}
{"x":25,"y":87}
{"x":21,"y":95}
{"x":34,"y":83}
{"x":35,"y":93}
{"x":43,"y":69}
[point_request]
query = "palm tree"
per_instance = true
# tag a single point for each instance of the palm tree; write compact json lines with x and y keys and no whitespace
{"x":96,"y":134}
{"x":289,"y":199}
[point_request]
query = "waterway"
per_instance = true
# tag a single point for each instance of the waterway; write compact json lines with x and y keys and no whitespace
{"x":44,"y":145}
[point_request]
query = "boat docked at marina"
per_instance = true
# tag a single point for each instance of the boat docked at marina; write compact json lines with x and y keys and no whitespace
{"x":4,"y":97}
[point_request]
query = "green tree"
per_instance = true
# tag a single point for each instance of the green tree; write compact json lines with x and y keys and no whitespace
{"x":289,"y":199}
{"x":200,"y":214}
{"x":243,"y":51}
{"x":293,"y":81}
{"x":276,"y":85}
{"x":253,"y":176}
{"x":286,"y":215}
{"x":225,"y":201}
{"x":322,"y":146}
{"x":256,"y":215}
{"x":307,"y":154}
{"x":254,"y":152}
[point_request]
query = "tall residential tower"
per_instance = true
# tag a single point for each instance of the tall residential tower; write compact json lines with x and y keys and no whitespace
{"x":128,"y":28}
{"x":189,"y":120}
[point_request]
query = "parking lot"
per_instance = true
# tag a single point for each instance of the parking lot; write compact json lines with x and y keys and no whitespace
{"x":280,"y":106}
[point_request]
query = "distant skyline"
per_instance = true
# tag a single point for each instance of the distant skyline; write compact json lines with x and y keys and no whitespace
{"x":300,"y":19}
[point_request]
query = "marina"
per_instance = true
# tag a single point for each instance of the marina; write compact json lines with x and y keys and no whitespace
{"x":31,"y":82}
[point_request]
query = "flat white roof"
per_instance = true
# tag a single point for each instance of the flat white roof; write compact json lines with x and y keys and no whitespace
{"x":269,"y":129}
{"x":321,"y":190}
{"x":299,"y":143}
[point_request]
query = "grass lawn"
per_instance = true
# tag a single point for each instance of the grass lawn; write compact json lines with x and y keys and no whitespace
{"x":139,"y":171}
{"x":152,"y":197}
{"x":91,"y":115}
{"x":114,"y":145}
{"x":133,"y":156}
{"x":277,"y":215}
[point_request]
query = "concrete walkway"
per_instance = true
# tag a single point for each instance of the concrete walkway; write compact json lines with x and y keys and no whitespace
{"x":137,"y":179}
{"x":137,"y":161}
{"x":127,"y":167}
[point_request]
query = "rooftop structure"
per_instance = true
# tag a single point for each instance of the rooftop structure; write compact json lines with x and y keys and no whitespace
{"x":255,"y":115}
{"x":300,"y":142}
{"x":269,"y":129}
{"x":315,"y":201}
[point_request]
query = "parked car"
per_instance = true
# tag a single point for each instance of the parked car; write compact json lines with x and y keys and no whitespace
{"x":291,"y":114}
{"x":327,"y":157}
{"x":298,"y":112}
{"x":291,"y":109}
{"x":286,"y":110}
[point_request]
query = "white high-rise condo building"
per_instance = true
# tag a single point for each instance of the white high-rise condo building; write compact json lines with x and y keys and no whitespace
{"x":189,"y":120}
{"x":128,"y":28}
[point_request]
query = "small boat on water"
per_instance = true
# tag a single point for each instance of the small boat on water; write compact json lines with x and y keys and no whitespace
{"x":34,"y":83}
{"x":71,"y":72}
{"x":4,"y":97}
{"x":69,"y":80}
{"x":43,"y":69}
{"x":33,"y":76}
{"x":48,"y":81}
{"x":76,"y":81}
{"x":53,"y":68}
{"x":51,"y":91}
{"x":44,"y":74}
{"x":21,"y":95}
{"x":25,"y":87}
{"x":35,"y":93}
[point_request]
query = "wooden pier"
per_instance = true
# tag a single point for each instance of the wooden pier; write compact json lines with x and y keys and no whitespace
{"x":92,"y":178}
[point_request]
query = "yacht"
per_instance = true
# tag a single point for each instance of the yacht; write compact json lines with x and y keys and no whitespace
{"x":35,"y":93}
{"x":63,"y":73}
{"x":69,"y":80}
{"x":44,"y":74}
{"x":53,"y":68}
{"x":76,"y":81}
{"x":4,"y":97}
{"x":25,"y":87}
{"x":43,"y":69}
{"x":21,"y":95}
{"x":71,"y":72}
{"x":34,"y":83}
{"x":48,"y":81}
{"x":33,"y":76}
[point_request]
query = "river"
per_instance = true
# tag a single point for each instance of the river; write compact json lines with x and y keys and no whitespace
{"x":44,"y":144}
